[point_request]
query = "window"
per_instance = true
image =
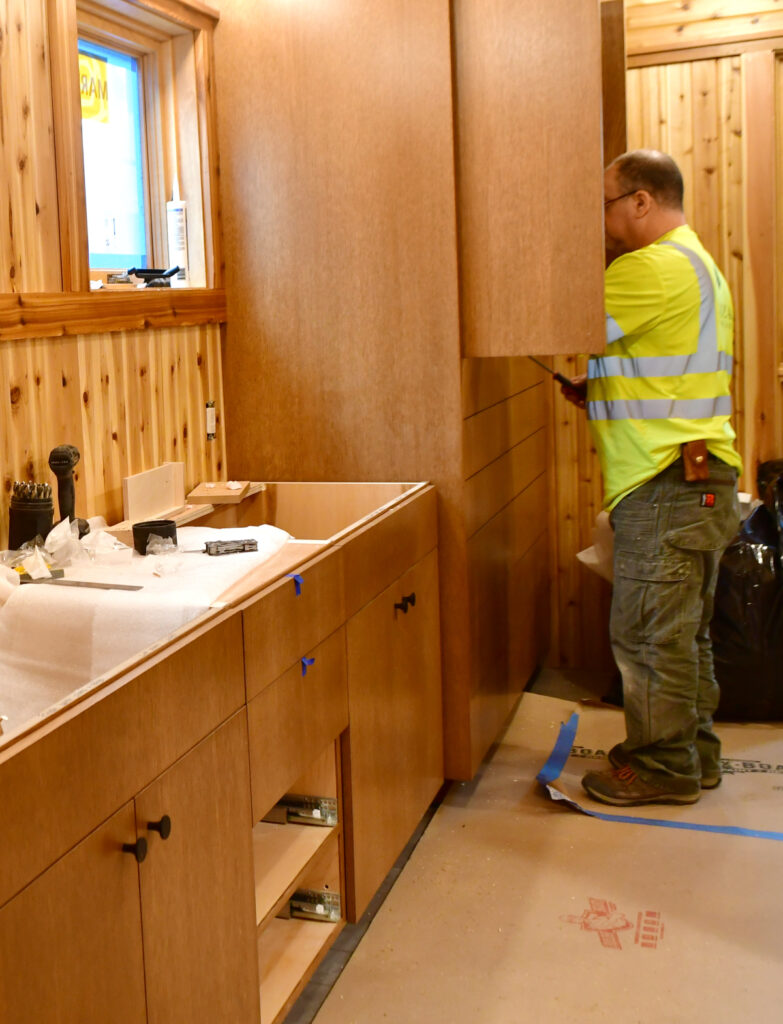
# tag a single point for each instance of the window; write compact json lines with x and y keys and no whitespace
{"x":147,"y":138}
{"x":114,"y":161}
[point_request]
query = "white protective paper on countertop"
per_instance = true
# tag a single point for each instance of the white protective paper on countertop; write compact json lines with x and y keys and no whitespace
{"x":55,"y":640}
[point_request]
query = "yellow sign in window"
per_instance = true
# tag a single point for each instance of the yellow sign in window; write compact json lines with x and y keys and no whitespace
{"x":94,"y":87}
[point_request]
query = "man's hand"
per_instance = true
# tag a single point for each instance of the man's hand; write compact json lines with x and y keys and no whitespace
{"x":576,"y":392}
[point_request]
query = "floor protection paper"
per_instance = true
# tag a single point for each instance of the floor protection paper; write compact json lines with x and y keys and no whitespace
{"x":749,"y":801}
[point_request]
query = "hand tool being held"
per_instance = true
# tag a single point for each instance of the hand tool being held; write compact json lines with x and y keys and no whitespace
{"x":575,"y":391}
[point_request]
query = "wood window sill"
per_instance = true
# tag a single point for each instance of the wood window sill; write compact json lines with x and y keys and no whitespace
{"x":54,"y":314}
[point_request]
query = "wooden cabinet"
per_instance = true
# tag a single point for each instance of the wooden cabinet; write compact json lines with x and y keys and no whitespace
{"x":146,"y":876}
{"x":529,"y":175}
{"x":101,"y":936}
{"x":395,"y":745}
{"x":70,"y":943}
{"x":400,"y":297}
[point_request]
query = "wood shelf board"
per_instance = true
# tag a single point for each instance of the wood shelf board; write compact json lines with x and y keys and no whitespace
{"x":288,"y":953}
{"x":280,"y":854}
{"x":218,"y":493}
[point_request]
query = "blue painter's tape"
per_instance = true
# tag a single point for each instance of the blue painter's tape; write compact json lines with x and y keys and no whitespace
{"x":560,"y":752}
{"x":298,"y":581}
{"x":305,"y":663}
{"x":556,"y":762}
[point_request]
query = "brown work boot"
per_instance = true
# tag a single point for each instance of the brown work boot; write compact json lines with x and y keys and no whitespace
{"x":619,"y":758}
{"x":622,"y":787}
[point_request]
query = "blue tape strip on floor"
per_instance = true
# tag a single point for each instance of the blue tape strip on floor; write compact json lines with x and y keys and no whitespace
{"x":556,"y":762}
{"x":560,"y":752}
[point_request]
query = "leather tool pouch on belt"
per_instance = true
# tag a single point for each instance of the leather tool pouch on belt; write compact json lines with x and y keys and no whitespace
{"x":694,"y":461}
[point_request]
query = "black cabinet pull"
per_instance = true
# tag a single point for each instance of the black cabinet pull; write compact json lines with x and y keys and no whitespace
{"x":407,"y":601}
{"x":138,"y":849}
{"x":163,"y":826}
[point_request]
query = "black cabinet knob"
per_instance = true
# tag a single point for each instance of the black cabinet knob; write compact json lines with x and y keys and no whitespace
{"x":163,"y":826}
{"x":401,"y":606}
{"x":138,"y":849}
{"x":411,"y":598}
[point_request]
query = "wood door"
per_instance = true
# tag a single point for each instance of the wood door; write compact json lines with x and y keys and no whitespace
{"x":395,"y":749}
{"x":529,"y":176}
{"x":70,"y":943}
{"x":197,"y":891}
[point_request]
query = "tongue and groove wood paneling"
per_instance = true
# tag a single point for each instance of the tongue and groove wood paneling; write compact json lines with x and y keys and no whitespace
{"x":128,"y":400}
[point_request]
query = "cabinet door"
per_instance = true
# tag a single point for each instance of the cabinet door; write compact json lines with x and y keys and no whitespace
{"x":197,"y":892}
{"x":395,"y":749}
{"x":70,"y":943}
{"x":529,"y":174}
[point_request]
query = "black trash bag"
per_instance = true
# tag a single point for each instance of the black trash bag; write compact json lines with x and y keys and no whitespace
{"x":747,"y":625}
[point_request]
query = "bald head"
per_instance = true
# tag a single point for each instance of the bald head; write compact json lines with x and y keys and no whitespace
{"x":653,"y":171}
{"x":642,"y":199}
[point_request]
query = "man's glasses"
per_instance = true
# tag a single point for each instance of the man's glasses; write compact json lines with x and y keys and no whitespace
{"x":608,"y":202}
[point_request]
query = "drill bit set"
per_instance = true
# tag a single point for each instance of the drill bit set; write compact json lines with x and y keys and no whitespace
{"x":31,"y":513}
{"x":31,"y":491}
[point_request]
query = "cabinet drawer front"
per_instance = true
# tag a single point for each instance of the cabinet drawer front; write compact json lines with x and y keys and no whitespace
{"x":381,"y":552}
{"x":290,"y":618}
{"x":96,"y":760}
{"x":292,"y":720}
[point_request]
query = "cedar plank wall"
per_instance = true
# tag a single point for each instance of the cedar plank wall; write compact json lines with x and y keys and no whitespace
{"x":128,"y":400}
{"x":128,"y":397}
{"x":703,"y":85}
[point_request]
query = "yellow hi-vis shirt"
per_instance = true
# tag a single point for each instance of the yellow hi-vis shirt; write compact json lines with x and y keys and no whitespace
{"x":665,"y":375}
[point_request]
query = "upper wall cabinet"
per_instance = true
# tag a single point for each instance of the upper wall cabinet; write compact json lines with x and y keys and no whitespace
{"x":529,"y":175}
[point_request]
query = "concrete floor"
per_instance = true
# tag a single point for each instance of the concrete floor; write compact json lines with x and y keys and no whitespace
{"x":569,"y":684}
{"x":513,"y":908}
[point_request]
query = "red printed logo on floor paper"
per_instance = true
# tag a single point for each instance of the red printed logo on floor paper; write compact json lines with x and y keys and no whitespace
{"x":604,"y":919}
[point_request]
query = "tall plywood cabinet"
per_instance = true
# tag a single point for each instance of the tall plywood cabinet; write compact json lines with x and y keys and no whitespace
{"x":411,"y":202}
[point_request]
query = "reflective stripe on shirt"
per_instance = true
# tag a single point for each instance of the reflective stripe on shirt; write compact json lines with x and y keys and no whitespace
{"x":707,"y":359}
{"x":660,"y":408}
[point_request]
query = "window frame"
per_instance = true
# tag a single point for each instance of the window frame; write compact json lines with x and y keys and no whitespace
{"x":147,"y":29}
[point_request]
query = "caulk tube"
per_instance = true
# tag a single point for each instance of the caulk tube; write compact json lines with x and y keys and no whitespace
{"x":177,"y":228}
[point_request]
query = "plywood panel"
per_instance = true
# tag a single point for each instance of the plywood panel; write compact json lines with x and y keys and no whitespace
{"x":491,"y":433}
{"x":127,"y":400}
{"x":613,"y":78}
{"x":337,"y":183}
{"x":530,"y":263}
{"x":498,"y":483}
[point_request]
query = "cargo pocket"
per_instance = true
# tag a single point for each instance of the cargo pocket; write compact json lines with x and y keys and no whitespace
{"x":648,"y":598}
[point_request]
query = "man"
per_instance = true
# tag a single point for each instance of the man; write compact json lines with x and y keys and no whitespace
{"x":658,"y":403}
